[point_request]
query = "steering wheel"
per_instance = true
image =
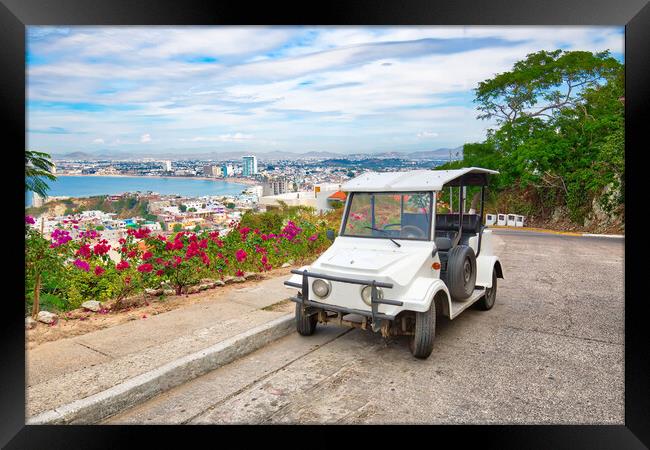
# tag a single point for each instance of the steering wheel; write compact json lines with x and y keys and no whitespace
{"x":411,"y":231}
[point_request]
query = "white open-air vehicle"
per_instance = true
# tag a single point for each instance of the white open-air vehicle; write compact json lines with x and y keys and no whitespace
{"x":396,"y":262}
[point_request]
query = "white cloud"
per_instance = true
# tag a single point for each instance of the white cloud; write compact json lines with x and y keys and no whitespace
{"x":236,"y":137}
{"x":335,"y":88}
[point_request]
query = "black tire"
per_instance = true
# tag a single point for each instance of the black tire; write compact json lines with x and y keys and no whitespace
{"x":421,"y":343}
{"x":460,"y":275}
{"x":487,"y":301}
{"x":305,"y":325}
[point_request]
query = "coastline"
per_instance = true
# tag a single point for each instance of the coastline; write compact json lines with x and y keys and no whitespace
{"x":232,"y":180}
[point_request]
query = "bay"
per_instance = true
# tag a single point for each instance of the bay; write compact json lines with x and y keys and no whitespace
{"x":86,"y":186}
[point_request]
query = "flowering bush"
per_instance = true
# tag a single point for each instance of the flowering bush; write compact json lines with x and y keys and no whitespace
{"x":146,"y":260}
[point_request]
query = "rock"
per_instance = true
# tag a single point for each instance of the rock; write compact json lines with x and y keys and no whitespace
{"x":168,"y":291}
{"x":291,"y":262}
{"x":92,"y":305}
{"x":154,"y":291}
{"x":286,"y":265}
{"x":191,"y":289}
{"x":47,"y":317}
{"x":219,"y":283}
{"x":238,"y":279}
{"x":204,"y":287}
{"x":561,"y":212}
{"x":228,"y":279}
{"x":249,"y":275}
{"x":29,"y":323}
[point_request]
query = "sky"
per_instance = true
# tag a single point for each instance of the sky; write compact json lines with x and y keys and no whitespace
{"x":143,"y":90}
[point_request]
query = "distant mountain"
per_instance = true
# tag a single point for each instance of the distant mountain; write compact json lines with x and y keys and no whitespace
{"x":441,"y":153}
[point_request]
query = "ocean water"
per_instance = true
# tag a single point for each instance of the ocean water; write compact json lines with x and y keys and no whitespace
{"x":85,"y":186}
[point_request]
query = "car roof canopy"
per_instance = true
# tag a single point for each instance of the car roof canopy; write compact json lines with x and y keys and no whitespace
{"x":417,"y":180}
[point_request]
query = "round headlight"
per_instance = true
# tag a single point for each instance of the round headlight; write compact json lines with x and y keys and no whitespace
{"x":321,"y":288}
{"x":366,"y":293}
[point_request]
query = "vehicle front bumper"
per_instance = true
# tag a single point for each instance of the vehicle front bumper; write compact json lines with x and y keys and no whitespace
{"x":375,"y":301}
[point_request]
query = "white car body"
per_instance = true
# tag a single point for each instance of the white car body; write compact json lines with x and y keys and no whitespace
{"x":413,"y":269}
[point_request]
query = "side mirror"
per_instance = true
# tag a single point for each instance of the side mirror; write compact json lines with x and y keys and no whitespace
{"x":330,"y":235}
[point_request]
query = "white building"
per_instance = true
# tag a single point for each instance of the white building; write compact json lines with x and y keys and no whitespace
{"x":168,"y":166}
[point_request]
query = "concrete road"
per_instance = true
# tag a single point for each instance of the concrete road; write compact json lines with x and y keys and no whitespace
{"x":550,"y":351}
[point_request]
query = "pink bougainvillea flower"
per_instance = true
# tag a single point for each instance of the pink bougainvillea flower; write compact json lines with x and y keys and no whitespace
{"x":145,"y":268}
{"x":161,"y":237}
{"x":60,"y":237}
{"x":241,"y":255}
{"x":101,"y":248}
{"x":132,"y":254}
{"x":142,"y":233}
{"x":127,"y":280}
{"x":169,"y":245}
{"x":30,"y":220}
{"x":146,"y":256}
{"x":84,"y":251}
{"x":313,"y":237}
{"x":122,"y":241}
{"x":83,"y":265}
{"x":160,"y":272}
{"x":122,"y":265}
{"x":240,"y":273}
{"x":99,"y":270}
{"x":178,"y":244}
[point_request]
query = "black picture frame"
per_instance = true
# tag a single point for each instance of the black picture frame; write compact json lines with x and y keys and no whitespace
{"x":634,"y":14}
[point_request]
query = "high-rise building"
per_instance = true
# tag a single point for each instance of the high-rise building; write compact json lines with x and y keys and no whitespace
{"x":250,"y":165}
{"x":212,"y":171}
{"x":227,"y":170}
{"x":167,"y":166}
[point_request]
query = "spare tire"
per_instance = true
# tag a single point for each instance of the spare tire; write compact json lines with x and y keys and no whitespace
{"x":460,"y":275}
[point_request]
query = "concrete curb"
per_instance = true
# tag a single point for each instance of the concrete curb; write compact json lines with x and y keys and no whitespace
{"x":563,"y":233}
{"x":104,"y":404}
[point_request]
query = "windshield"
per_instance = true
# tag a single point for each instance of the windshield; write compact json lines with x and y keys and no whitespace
{"x":403,"y":215}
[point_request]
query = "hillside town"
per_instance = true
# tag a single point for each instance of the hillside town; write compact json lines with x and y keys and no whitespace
{"x":266,"y":189}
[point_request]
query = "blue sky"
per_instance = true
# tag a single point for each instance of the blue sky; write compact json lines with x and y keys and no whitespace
{"x":264,"y":89}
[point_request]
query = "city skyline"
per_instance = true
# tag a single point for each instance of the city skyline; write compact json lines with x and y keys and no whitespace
{"x":265,"y":89}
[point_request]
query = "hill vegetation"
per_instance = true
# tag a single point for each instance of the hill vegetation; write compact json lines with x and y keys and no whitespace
{"x":558,"y":142}
{"x":125,"y":207}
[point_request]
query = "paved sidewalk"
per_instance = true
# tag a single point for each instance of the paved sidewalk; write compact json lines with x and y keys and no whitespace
{"x":66,"y":370}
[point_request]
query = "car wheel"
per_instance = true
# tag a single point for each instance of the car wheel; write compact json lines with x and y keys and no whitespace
{"x":487,"y":301}
{"x":305,"y":324}
{"x":421,"y":342}
{"x":460,"y":275}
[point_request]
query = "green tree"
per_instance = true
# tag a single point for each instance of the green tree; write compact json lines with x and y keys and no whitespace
{"x":559,"y":134}
{"x":542,"y":84}
{"x":177,"y":227}
{"x":182,"y":208}
{"x":38,"y":168}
